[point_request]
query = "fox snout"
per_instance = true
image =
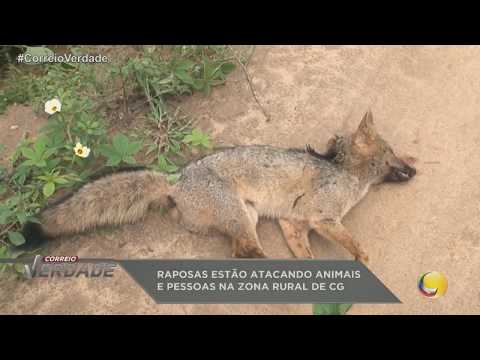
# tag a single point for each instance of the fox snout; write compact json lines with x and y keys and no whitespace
{"x":400,"y":172}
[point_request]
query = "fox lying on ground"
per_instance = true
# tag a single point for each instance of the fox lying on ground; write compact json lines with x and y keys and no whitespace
{"x":230,"y":189}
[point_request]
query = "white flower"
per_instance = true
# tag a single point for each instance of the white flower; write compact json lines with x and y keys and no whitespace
{"x":53,"y":106}
{"x":81,"y":150}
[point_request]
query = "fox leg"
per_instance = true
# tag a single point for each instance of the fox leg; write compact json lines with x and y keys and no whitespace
{"x":245,"y":241}
{"x":335,"y":231}
{"x":207,"y":202}
{"x":238,"y":220}
{"x":296,"y":234}
{"x":247,"y":247}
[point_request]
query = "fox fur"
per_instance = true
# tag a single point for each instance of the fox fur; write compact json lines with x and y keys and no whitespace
{"x":230,"y":189}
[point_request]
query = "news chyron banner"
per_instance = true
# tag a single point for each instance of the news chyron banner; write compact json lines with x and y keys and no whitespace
{"x":259,"y":281}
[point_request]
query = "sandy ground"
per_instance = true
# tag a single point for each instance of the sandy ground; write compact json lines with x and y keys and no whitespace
{"x":425,"y":100}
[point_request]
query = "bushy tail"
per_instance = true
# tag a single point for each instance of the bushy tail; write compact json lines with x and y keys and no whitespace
{"x":111,"y":200}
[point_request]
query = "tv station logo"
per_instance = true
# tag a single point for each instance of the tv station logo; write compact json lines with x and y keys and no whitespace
{"x":68,"y":267}
{"x":433,"y":284}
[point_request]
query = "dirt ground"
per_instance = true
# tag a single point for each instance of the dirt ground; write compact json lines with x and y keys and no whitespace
{"x":425,"y":101}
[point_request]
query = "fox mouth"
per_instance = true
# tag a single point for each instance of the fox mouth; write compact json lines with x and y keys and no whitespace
{"x":402,"y":174}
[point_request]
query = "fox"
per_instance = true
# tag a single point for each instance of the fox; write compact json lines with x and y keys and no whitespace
{"x":228,"y":191}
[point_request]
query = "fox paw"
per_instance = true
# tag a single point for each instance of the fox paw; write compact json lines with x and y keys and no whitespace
{"x":249,"y":252}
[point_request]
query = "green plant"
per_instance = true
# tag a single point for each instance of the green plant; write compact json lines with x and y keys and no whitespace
{"x":167,"y":135}
{"x":190,"y":68}
{"x":203,"y":76}
{"x":42,"y":166}
{"x":5,"y":253}
{"x":198,"y":138}
{"x":331,"y":309}
{"x":38,"y":154}
{"x":8,"y":53}
{"x":48,"y":163}
{"x":52,"y":179}
{"x":20,"y":89}
{"x":121,"y":150}
{"x":165,"y":165}
{"x":40,"y":83}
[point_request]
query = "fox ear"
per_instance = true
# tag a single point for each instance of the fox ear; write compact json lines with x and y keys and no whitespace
{"x":366,"y":132}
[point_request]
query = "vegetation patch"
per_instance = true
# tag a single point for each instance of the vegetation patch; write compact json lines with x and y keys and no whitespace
{"x":80,"y":138}
{"x":331,"y":309}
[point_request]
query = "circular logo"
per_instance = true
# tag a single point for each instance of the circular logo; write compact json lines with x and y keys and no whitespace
{"x":433,"y":284}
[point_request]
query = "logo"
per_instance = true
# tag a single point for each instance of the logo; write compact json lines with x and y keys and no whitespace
{"x":433,"y":284}
{"x":65,"y":267}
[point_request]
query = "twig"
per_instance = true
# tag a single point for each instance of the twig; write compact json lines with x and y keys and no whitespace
{"x":69,"y":135}
{"x":250,"y":85}
{"x":250,"y":55}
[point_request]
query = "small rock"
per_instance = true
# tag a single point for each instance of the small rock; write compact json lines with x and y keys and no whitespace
{"x":14,"y":127}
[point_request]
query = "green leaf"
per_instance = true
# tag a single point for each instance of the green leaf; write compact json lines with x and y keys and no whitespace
{"x":165,"y":165}
{"x":19,"y":268}
{"x":208,"y":68}
{"x":44,"y":177}
{"x":114,"y":160}
{"x":16,"y":238}
{"x":40,"y":145}
{"x":184,"y":64}
{"x":198,"y":138}
{"x":61,"y":181}
{"x":28,"y":153}
{"x":227,"y":67}
{"x":331,"y":309}
{"x":3,"y":252}
{"x":107,"y":151}
{"x":185,"y":77}
{"x":48,"y":189}
{"x":21,"y":174}
{"x":199,"y":84}
{"x":22,"y":217}
{"x":49,"y":153}
{"x":120,"y":143}
{"x":27,"y":163}
{"x":5,"y":215}
{"x":34,"y":220}
{"x":134,"y":147}
{"x":41,"y":163}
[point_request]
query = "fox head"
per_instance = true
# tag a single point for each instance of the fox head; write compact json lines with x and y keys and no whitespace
{"x":368,"y":156}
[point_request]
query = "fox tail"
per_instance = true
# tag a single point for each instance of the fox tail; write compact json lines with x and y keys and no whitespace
{"x":111,"y":200}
